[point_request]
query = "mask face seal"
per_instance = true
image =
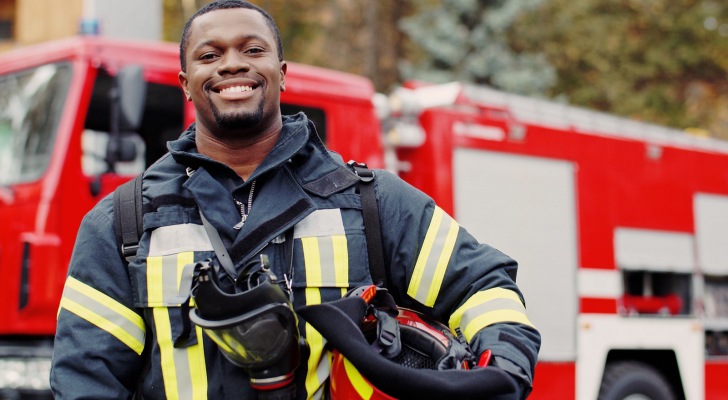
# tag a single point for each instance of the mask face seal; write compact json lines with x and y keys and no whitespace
{"x":253,"y":324}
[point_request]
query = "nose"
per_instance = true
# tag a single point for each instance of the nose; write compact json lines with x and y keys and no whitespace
{"x":233,"y":62}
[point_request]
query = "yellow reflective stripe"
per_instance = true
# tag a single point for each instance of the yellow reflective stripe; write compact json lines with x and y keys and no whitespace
{"x":341,"y":260}
{"x":106,"y":301}
{"x":425,"y":253}
{"x":494,"y":317}
{"x":433,"y":259}
{"x":316,"y":344}
{"x":104,"y":312}
{"x":183,"y":259}
{"x":154,"y":281}
{"x":362,"y":387}
{"x":486,"y":308}
{"x":103,"y":323}
{"x":198,"y":370}
{"x":166,"y":351}
{"x":442,"y":262}
{"x":183,"y":370}
{"x":312,"y":261}
{"x":164,"y":274}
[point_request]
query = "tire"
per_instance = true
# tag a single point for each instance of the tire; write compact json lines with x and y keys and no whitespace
{"x":633,"y":380}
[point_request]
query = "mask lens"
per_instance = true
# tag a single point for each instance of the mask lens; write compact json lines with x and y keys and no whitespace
{"x":257,"y":340}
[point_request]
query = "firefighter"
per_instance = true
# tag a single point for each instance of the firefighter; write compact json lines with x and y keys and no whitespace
{"x":267,"y":184}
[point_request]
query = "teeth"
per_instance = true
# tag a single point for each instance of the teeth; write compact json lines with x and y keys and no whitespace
{"x":236,"y":89}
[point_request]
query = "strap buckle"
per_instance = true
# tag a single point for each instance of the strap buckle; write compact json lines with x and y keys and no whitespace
{"x":361,"y":170}
{"x":129,"y":251}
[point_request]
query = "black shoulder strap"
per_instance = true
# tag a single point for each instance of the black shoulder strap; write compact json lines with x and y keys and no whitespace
{"x":372,"y":229}
{"x":128,"y":217}
{"x":128,"y":213}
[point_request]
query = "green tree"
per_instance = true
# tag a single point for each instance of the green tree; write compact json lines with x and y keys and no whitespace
{"x":356,"y":36}
{"x":467,"y":40}
{"x":662,"y":61}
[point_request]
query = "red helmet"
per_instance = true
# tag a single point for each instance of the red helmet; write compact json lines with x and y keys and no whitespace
{"x":401,"y":353}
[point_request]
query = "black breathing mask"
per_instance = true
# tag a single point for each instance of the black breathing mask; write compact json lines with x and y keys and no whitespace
{"x":252,"y":321}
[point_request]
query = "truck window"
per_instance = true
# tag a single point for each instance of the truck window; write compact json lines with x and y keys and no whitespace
{"x":163,"y":120}
{"x":317,"y":115}
{"x":30,"y":109}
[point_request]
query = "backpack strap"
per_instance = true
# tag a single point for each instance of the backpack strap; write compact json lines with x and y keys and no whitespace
{"x":128,"y":213}
{"x":128,"y":217}
{"x":372,"y":228}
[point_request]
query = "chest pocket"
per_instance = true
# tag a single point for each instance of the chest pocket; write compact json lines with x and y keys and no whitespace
{"x":162,"y":284}
{"x":328,"y":255}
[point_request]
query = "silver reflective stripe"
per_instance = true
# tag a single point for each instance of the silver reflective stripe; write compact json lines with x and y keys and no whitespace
{"x":320,"y":223}
{"x":178,"y":238}
{"x":169,"y":278}
{"x":106,"y":313}
{"x":322,"y":371}
{"x":434,"y":265}
{"x":492,"y":305}
{"x":326,"y":255}
{"x":183,"y":370}
{"x":182,"y":367}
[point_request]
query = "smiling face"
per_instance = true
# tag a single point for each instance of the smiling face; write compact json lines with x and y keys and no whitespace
{"x":233,"y":77}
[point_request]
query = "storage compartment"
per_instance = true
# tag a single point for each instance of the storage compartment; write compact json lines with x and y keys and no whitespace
{"x":663,"y":293}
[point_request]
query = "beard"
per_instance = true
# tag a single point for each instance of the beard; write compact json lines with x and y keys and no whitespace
{"x":238,"y":120}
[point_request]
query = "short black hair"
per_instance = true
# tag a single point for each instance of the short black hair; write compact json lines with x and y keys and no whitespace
{"x":222,"y":5}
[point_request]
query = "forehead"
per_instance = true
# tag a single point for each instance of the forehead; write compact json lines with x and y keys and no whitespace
{"x":228,"y":24}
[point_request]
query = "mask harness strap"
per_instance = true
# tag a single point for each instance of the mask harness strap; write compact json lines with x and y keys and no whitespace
{"x":219,"y":247}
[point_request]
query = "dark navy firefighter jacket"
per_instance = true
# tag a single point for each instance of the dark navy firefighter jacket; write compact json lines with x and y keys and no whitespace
{"x":435,"y":267}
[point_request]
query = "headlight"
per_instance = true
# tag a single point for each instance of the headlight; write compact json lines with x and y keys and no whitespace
{"x":25,"y":373}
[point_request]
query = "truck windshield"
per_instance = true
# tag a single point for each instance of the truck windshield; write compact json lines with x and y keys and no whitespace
{"x":31,"y":103}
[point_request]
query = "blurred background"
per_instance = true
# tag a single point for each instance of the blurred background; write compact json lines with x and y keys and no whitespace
{"x":583,"y":138}
{"x":661,"y":61}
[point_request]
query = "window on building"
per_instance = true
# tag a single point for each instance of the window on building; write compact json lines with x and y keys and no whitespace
{"x":7,"y":17}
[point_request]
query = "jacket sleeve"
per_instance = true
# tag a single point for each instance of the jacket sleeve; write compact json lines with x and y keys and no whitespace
{"x":100,"y":335}
{"x":438,"y":268}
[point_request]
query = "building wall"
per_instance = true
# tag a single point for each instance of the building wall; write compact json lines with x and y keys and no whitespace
{"x":35,"y":21}
{"x":42,"y":20}
{"x":132,"y":19}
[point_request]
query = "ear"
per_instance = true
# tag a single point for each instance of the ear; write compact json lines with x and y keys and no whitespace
{"x":185,"y":84}
{"x":284,"y":69}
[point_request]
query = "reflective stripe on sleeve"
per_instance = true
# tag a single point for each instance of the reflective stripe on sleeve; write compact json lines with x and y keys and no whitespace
{"x":486,"y":308}
{"x":433,"y":258}
{"x":104,"y":312}
{"x":183,"y":369}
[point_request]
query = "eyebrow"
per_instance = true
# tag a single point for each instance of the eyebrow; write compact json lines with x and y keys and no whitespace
{"x":211,"y":42}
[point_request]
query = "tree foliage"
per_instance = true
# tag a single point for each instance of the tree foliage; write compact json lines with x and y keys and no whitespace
{"x":357,"y":36}
{"x":467,"y":40}
{"x":663,"y":61}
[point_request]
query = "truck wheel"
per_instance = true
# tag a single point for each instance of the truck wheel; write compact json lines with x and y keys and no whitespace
{"x":632,"y":380}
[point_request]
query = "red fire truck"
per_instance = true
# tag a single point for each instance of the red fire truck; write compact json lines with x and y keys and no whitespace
{"x":618,"y":226}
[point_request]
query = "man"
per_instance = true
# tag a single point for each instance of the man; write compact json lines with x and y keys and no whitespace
{"x":243,"y":161}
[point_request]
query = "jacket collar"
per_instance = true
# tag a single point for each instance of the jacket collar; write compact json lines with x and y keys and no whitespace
{"x":295,"y":134}
{"x":280,"y":201}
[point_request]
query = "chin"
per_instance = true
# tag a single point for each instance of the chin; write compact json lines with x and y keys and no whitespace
{"x":238,"y":120}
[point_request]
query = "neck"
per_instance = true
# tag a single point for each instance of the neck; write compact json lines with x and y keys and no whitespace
{"x":243,"y":153}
